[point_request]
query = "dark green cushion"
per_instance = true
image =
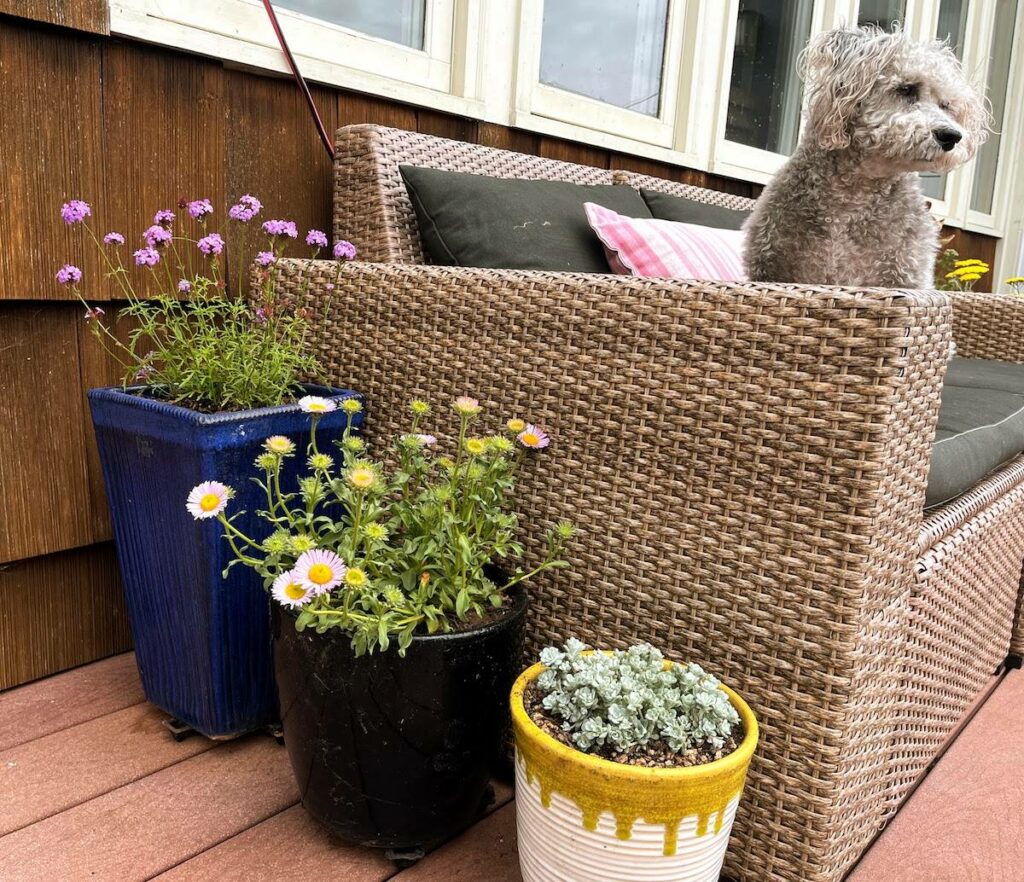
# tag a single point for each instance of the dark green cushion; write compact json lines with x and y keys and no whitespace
{"x":507,"y":223}
{"x":981,"y":425}
{"x":688,"y":211}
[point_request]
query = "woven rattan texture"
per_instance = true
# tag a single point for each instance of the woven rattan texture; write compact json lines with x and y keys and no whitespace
{"x":989,"y":326}
{"x":961,"y":614}
{"x":747,"y":465}
{"x":687,"y":191}
{"x":1017,"y":637}
{"x":371,"y":206}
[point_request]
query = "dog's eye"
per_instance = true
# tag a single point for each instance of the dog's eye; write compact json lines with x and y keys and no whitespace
{"x":908,"y":91}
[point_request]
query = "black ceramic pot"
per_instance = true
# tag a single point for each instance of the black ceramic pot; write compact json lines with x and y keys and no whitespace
{"x":396,"y":752}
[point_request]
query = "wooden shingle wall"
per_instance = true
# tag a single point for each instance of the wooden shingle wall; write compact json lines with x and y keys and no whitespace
{"x":132,"y":128}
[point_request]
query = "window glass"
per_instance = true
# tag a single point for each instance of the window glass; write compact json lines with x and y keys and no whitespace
{"x":983,"y":190}
{"x":764,"y":90}
{"x":881,"y":13}
{"x":400,"y":21}
{"x":952,"y":22}
{"x":611,"y":50}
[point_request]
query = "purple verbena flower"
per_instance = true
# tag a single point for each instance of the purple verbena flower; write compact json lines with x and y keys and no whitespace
{"x":184,"y":286}
{"x":164,"y":217}
{"x":113,"y":239}
{"x":316,"y":239}
{"x":261,"y":315}
{"x":145,"y":372}
{"x":94,"y":314}
{"x":246,"y":208}
{"x":146,"y":257}
{"x":344,"y":250}
{"x":330,"y":286}
{"x":157,"y":236}
{"x":281,"y":228}
{"x":69,"y":274}
{"x":75,"y":211}
{"x":212,"y":244}
{"x":199,"y":208}
{"x":266,"y":258}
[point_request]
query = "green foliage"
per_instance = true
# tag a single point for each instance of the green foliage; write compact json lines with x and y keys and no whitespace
{"x":412,"y":534}
{"x":630,"y":699}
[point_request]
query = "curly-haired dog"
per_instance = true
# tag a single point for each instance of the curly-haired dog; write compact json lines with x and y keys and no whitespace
{"x":847,"y":208}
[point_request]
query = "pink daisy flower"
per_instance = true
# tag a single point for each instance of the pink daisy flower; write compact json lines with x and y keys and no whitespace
{"x":319,"y":570}
{"x":290,"y":592}
{"x":533,"y":437}
{"x":207,"y":500}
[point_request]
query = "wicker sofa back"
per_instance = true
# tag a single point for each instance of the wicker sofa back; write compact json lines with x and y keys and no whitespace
{"x":747,"y":463}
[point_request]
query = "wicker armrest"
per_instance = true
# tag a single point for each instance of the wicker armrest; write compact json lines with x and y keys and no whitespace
{"x":988,"y":325}
{"x":747,"y":464}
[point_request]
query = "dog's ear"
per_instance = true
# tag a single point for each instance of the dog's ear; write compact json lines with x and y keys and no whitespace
{"x":840,"y":68}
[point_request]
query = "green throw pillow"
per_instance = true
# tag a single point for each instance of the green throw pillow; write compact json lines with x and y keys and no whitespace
{"x":509,"y":223}
{"x":688,"y":211}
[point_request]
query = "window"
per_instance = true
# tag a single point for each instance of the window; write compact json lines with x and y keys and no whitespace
{"x":609,"y":50}
{"x":952,"y":27}
{"x":764,"y":88}
{"x":400,"y":21}
{"x":984,"y":186}
{"x":881,"y":13}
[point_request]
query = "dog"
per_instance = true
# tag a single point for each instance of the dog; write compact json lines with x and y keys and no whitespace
{"x":847,"y":207}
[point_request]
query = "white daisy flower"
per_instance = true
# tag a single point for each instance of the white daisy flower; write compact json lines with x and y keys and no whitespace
{"x":207,"y":500}
{"x":320,"y":570}
{"x":289,"y":591}
{"x":316,"y":404}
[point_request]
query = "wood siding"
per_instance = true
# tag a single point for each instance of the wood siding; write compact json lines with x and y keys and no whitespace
{"x":132,"y":128}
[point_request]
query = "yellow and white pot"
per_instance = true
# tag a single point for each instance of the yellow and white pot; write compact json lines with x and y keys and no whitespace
{"x":581,"y":818}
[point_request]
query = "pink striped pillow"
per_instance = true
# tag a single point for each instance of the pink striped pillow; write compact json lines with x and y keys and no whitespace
{"x":667,"y":249}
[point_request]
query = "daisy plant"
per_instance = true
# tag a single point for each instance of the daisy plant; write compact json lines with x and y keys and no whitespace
{"x":385,"y":549}
{"x":199,"y":337}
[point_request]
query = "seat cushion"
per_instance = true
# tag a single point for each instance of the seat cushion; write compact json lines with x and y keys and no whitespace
{"x":507,"y":223}
{"x":980,"y":427}
{"x":689,"y":211}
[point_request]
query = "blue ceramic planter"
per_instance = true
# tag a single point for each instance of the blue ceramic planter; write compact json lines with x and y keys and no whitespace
{"x":202,"y":642}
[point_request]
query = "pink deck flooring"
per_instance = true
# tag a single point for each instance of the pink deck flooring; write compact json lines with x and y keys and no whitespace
{"x":92,"y":787}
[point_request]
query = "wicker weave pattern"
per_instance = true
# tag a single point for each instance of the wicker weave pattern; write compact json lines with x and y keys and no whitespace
{"x":989,"y":326}
{"x":961,"y":611}
{"x":371,"y":206}
{"x":687,"y":191}
{"x":747,"y":464}
{"x":1017,"y":636}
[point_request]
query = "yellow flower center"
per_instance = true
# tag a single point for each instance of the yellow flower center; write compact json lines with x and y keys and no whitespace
{"x":316,"y":407}
{"x":516,"y":425}
{"x":355,"y":577}
{"x":320,"y":573}
{"x":530,"y":440}
{"x":209,"y":502}
{"x":295,"y":591}
{"x":279,"y":445}
{"x":475,"y":446}
{"x":361,"y":478}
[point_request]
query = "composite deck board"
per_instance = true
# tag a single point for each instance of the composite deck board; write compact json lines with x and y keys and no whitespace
{"x":965,"y":822}
{"x":38,"y":709}
{"x":64,"y":769}
{"x":155,"y":823}
{"x":290,"y":847}
{"x":487,"y":851}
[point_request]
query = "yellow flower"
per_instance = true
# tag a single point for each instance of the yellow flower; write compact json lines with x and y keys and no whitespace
{"x":953,"y":274}
{"x":355,"y":577}
{"x":1015,"y":280}
{"x":419,"y":407}
{"x":970,"y":277}
{"x":351,"y":405}
{"x":515,"y":426}
{"x":476,"y":446}
{"x":970,"y":262}
{"x":279,"y":444}
{"x":362,"y":478}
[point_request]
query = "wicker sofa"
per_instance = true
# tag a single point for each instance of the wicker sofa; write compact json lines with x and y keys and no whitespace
{"x":747,"y":464}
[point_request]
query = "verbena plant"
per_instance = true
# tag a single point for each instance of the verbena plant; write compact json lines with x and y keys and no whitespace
{"x":628,"y":699}
{"x":380,"y":551}
{"x":196,"y":338}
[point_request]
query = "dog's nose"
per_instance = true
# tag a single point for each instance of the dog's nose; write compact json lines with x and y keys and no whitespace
{"x":947,"y":138}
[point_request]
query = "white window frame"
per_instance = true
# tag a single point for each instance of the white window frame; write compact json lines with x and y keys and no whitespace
{"x":240,"y":31}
